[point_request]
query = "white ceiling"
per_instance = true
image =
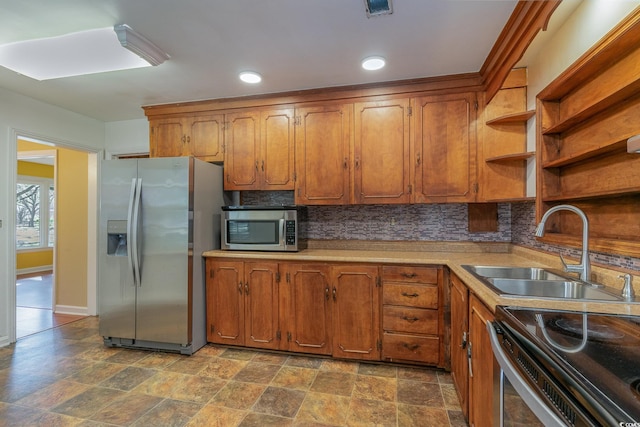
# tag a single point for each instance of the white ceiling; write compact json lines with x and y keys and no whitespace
{"x":294,"y":44}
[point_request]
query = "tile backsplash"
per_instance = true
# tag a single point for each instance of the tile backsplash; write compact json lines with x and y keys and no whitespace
{"x":425,"y":222}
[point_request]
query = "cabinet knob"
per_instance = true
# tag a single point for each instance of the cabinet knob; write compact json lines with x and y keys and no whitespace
{"x":410,"y":347}
{"x":410,"y":319}
{"x":409,"y":275}
{"x":326,"y":293}
{"x":418,"y":159}
{"x":240,"y":287}
{"x":246,"y":288}
{"x":335,"y":296}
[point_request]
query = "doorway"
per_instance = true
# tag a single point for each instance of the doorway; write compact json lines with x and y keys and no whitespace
{"x":43,"y":277}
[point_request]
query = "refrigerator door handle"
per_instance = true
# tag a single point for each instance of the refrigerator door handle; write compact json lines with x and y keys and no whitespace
{"x":137,"y":239}
{"x":130,"y":239}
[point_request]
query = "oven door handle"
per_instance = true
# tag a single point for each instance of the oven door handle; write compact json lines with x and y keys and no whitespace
{"x":546,"y":415}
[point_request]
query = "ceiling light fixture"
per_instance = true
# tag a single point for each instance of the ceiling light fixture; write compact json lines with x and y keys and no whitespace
{"x":633,"y":144}
{"x":373,"y":63}
{"x":140,"y":45}
{"x":250,"y":77}
{"x":378,"y":7}
{"x":78,"y":54}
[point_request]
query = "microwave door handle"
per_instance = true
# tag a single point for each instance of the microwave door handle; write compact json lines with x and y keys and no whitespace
{"x":528,"y":395}
{"x":283,"y":239}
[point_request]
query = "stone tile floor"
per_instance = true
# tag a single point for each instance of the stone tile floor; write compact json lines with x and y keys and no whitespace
{"x":66,"y":377}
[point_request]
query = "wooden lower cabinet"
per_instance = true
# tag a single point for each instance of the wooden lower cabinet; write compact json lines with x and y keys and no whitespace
{"x":356,"y":311}
{"x":331,"y":309}
{"x":242,"y":303}
{"x":459,"y":340}
{"x":306,"y":303}
{"x":483,"y":365}
{"x":411,"y":314}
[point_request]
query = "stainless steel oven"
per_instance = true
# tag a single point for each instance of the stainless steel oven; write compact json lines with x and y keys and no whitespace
{"x":563,"y":368}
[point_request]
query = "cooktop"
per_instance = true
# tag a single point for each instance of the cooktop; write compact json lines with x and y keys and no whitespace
{"x":595,"y":356}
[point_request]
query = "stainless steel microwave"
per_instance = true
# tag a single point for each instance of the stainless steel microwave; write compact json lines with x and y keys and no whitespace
{"x":261,"y":228}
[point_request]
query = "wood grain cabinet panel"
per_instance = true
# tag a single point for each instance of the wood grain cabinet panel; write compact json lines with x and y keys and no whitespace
{"x":381,"y":163}
{"x":483,"y":365}
{"x":308,"y":302}
{"x":459,"y":340}
{"x":356,"y":312}
{"x":444,"y":151}
{"x":322,"y":154}
{"x":200,"y":136}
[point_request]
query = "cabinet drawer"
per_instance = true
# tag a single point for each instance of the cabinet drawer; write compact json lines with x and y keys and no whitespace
{"x":410,"y":347}
{"x":411,"y":320}
{"x":424,"y":296}
{"x":401,"y":273}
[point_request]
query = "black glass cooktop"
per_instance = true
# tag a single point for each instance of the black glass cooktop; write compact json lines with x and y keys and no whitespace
{"x":600,"y":368}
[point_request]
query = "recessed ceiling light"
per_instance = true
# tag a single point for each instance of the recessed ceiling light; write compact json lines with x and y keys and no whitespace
{"x":373,"y":63}
{"x":250,"y":77}
{"x":74,"y":54}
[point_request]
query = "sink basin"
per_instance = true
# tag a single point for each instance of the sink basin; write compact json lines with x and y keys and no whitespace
{"x":534,"y":282}
{"x":532,"y":273}
{"x":551,"y":289}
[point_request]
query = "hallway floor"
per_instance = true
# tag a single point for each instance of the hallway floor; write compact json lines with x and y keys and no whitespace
{"x":66,"y":377}
{"x":34,"y":298}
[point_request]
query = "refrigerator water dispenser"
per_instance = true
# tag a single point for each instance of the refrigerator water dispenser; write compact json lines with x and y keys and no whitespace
{"x":117,"y":237}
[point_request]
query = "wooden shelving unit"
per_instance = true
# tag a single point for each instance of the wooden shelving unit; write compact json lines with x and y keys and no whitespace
{"x":503,"y":149}
{"x":585,"y":117}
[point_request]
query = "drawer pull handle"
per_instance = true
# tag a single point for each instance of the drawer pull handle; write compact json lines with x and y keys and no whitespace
{"x":411,"y":347}
{"x":410,"y":319}
{"x":409,"y":275}
{"x":413,"y":295}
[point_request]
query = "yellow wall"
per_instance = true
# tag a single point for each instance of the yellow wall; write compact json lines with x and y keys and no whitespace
{"x":71,"y":226}
{"x":35,"y":169}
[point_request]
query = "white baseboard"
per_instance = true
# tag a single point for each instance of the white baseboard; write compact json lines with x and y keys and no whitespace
{"x":31,"y":270}
{"x":4,"y":341}
{"x":71,"y":309}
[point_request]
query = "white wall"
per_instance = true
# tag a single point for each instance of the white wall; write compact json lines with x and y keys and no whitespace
{"x":26,"y":116}
{"x":127,"y":137}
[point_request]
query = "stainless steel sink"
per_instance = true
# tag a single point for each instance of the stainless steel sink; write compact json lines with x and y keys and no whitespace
{"x":536,"y":282}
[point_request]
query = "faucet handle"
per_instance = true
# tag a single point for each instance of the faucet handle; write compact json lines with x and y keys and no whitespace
{"x":627,"y":290}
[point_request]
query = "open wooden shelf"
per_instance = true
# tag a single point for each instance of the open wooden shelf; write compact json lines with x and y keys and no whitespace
{"x":511,"y":157}
{"x":512,"y":118}
{"x":585,"y":117}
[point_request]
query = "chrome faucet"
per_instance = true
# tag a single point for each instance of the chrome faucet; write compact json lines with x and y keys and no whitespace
{"x":584,"y":268}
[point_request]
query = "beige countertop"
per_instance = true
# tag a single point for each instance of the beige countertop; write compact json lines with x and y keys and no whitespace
{"x":454,"y":256}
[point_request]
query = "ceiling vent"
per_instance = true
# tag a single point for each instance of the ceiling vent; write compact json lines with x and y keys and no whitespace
{"x":378,"y":7}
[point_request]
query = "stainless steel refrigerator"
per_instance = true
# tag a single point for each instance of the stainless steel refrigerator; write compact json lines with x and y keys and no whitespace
{"x":157,"y":216}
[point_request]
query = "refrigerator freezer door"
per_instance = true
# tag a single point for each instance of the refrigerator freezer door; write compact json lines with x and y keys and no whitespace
{"x":163,"y":295}
{"x":117,"y":293}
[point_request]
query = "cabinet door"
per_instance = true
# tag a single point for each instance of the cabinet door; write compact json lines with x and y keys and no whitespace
{"x":278,"y":151}
{"x":445,"y":148}
{"x":482,"y":365}
{"x":356,"y":312}
{"x":309,"y":318}
{"x":241,"y":162}
{"x":381,"y":149}
{"x":322,"y":154}
{"x":225,"y":302}
{"x":168,"y":138}
{"x":261,"y":304}
{"x":459,"y":337}
{"x":206,"y":138}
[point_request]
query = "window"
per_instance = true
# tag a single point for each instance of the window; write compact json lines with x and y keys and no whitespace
{"x":35,"y":208}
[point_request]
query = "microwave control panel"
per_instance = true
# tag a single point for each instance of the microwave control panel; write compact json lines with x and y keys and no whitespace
{"x":290,"y":232}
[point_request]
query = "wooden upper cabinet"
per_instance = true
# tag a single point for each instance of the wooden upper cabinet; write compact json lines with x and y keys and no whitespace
{"x":199,"y":136}
{"x":168,"y":138}
{"x":278,"y":149}
{"x":381,"y":162}
{"x":260,"y":150}
{"x":241,"y":163}
{"x":322,"y":154}
{"x":444,"y":150}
